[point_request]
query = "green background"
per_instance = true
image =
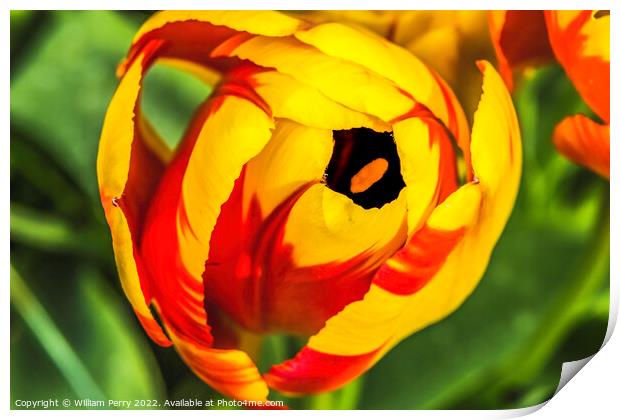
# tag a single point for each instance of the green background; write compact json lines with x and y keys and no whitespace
{"x":544,"y":299}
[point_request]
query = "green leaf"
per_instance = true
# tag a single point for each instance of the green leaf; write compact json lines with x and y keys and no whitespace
{"x":52,"y":340}
{"x":169,"y":100}
{"x":89,"y":343}
{"x":20,"y":20}
{"x":52,"y":234}
{"x":60,"y":96}
{"x":36,"y":181}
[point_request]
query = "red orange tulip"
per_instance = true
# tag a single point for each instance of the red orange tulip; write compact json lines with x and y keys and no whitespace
{"x":579,"y":41}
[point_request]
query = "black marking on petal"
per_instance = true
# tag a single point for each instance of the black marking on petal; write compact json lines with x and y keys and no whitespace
{"x":354,"y":149}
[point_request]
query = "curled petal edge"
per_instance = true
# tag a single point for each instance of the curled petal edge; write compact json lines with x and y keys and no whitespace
{"x":584,"y":142}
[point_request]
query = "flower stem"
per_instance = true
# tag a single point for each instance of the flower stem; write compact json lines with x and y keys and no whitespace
{"x":346,"y":398}
{"x":350,"y":394}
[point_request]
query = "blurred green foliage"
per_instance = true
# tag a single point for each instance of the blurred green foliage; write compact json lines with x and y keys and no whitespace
{"x":544,"y":299}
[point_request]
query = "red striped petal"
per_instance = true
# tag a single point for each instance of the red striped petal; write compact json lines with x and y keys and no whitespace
{"x":178,"y":292}
{"x":417,"y":262}
{"x":312,"y":371}
{"x":585,"y":142}
{"x":251,"y":274}
{"x":154,"y":330}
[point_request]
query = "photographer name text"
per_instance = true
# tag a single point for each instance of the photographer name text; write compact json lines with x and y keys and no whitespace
{"x":87,"y":403}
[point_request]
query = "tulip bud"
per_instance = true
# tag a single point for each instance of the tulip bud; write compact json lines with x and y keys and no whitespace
{"x":316,"y":192}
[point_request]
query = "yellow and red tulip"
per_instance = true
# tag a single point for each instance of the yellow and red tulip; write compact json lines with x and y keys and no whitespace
{"x":579,"y":41}
{"x":329,"y":187}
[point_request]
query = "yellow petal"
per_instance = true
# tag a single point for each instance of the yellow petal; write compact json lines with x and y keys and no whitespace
{"x":263,"y":22}
{"x":597,"y":36}
{"x":390,"y":61}
{"x":376,"y":54}
{"x":462,"y":36}
{"x":344,"y":82}
{"x":344,"y":229}
{"x":428,"y":166}
{"x":496,"y":141}
{"x":289,"y":98}
{"x":362,"y":326}
{"x":419,"y":165}
{"x":127,"y":172}
{"x":295,"y":156}
{"x":458,"y":210}
{"x":118,"y":134}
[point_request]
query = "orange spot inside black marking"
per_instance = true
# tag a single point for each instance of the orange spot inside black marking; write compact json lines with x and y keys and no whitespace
{"x":365,"y":167}
{"x":368,"y":175}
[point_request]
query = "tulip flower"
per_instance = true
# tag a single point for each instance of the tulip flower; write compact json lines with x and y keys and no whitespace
{"x":328,"y":188}
{"x":579,"y":41}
